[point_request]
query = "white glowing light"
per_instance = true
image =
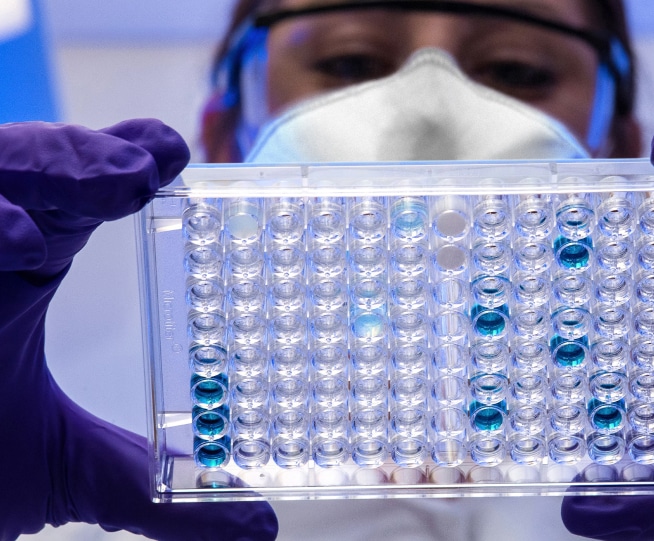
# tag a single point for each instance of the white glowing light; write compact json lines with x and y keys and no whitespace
{"x":15,"y":18}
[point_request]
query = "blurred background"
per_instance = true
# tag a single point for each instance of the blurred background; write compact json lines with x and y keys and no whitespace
{"x":95,"y":63}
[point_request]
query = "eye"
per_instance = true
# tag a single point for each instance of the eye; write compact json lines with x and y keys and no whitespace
{"x":517,"y":77}
{"x":353,"y":68}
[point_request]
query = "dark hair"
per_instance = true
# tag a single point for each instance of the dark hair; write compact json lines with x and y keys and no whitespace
{"x":610,"y":15}
{"x":219,"y":120}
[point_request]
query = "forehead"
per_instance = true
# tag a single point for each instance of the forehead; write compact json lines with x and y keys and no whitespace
{"x":573,"y":12}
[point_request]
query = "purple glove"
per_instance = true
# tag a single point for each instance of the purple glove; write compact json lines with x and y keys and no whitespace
{"x":610,"y":518}
{"x":58,"y":463}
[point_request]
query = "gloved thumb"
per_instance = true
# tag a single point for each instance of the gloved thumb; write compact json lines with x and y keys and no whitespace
{"x":103,"y":175}
{"x":22,"y":246}
{"x":169,"y":151}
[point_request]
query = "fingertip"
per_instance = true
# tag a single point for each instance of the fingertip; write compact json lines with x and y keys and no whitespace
{"x":104,"y":175}
{"x":609,"y":518}
{"x":167,"y":147}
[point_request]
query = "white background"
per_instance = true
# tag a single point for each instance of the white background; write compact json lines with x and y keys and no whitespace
{"x":121,"y":59}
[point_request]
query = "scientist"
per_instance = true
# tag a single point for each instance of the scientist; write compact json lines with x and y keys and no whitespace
{"x":571,"y":60}
{"x":555,"y":78}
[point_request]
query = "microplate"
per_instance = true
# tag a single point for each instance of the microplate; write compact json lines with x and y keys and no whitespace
{"x":375,"y":330}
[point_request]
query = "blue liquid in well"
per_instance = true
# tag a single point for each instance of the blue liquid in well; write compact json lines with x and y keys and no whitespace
{"x":606,"y":416}
{"x":487,"y":418}
{"x":573,"y":254}
{"x":368,"y":326}
{"x":209,"y":390}
{"x":409,"y":216}
{"x":489,"y":322}
{"x":211,"y":423}
{"x":568,"y":353}
{"x":212,"y":454}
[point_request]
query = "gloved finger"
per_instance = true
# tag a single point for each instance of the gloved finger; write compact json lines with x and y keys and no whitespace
{"x":168,"y":149}
{"x":21,"y":243}
{"x":81,"y":171}
{"x":609,"y":518}
{"x":108,"y":484}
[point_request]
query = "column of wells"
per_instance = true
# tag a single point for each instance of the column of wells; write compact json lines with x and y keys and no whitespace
{"x":608,"y":369}
{"x":247,"y":335}
{"x":449,"y":342}
{"x":531,"y":280}
{"x":203,"y":265}
{"x":490,"y":318}
{"x":640,"y":426}
{"x":367,"y":271}
{"x":408,"y":370}
{"x":287,"y":321}
{"x":327,"y":301}
{"x":571,"y":335}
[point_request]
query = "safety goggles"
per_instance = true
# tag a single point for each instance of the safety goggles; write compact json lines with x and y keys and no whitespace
{"x":559,"y":40}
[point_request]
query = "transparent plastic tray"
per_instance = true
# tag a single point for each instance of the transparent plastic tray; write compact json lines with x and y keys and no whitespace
{"x":380,"y":330}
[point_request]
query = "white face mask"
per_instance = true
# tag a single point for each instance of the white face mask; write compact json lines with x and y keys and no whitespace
{"x":428,"y":110}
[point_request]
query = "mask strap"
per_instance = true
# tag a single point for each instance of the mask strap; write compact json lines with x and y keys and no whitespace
{"x":603,"y":108}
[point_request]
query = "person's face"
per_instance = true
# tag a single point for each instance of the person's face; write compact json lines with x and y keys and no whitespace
{"x":548,"y":70}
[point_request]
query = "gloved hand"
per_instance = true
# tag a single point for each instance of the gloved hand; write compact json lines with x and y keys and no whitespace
{"x":58,"y":463}
{"x":610,"y":518}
